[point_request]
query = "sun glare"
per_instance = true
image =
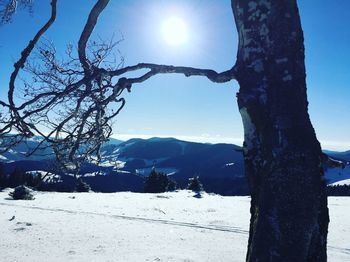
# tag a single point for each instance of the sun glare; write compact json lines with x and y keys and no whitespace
{"x":174,"y":31}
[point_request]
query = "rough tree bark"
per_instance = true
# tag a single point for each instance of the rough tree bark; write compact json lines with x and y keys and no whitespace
{"x":289,"y":214}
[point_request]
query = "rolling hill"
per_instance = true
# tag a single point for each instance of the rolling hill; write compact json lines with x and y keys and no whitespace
{"x":125,"y":164}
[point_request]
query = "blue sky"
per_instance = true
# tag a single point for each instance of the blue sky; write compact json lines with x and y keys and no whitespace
{"x":194,"y":108}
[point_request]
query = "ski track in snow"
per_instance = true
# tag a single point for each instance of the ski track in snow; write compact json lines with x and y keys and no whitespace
{"x":342,"y":250}
{"x":149,"y":220}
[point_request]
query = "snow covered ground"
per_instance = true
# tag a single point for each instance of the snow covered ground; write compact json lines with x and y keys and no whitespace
{"x":133,"y":227}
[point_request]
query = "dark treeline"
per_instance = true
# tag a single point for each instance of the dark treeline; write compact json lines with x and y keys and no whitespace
{"x":343,"y":190}
{"x":155,"y":183}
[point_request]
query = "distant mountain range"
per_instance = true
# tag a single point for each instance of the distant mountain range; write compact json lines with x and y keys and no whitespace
{"x":345,"y":156}
{"x":125,"y":164}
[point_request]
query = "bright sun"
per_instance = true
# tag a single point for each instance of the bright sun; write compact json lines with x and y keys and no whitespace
{"x":174,"y":31}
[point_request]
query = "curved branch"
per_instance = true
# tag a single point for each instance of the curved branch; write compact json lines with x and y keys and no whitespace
{"x":87,"y":31}
{"x":82,"y":92}
{"x":25,"y":54}
{"x":155,"y":69}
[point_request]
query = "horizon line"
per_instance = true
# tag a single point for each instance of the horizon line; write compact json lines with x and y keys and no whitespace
{"x":331,"y":145}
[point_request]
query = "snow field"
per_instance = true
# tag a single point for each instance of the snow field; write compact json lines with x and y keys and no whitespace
{"x":133,"y":227}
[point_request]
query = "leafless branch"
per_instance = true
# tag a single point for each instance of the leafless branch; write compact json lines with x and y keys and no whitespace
{"x":19,"y":123}
{"x":71,"y":101}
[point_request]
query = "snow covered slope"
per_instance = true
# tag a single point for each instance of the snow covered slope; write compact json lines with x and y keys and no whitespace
{"x":341,"y":183}
{"x":131,"y":227}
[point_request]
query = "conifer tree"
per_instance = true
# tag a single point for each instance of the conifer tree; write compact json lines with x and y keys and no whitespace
{"x":194,"y":184}
{"x":158,"y":183}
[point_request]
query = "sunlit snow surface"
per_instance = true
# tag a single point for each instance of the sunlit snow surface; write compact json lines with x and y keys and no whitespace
{"x":133,"y":227}
{"x":341,"y":183}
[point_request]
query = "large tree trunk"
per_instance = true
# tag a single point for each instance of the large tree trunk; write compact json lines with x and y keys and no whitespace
{"x":289,"y":214}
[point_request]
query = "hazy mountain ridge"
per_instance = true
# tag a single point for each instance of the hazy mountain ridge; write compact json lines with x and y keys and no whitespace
{"x":345,"y":156}
{"x":220,"y":166}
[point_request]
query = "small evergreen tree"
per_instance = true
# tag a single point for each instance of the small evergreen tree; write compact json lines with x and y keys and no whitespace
{"x":194,"y":184}
{"x":158,"y":183}
{"x":171,"y":185}
{"x":155,"y":182}
{"x":21,"y":193}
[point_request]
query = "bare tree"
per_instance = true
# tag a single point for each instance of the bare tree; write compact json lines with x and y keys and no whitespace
{"x":75,"y":97}
{"x":289,"y":214}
